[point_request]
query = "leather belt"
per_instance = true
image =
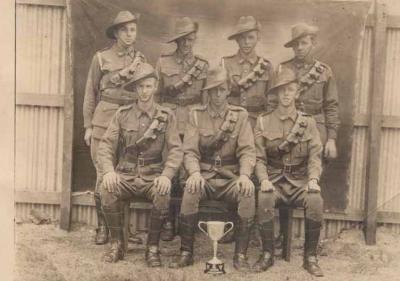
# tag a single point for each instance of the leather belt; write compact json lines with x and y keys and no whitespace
{"x":219,"y":162}
{"x":285,"y":168}
{"x":312,"y":111}
{"x":182,"y":101}
{"x":118,"y":101}
{"x":141,"y":161}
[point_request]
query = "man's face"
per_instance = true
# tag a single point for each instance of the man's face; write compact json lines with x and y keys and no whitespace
{"x":303,"y":47}
{"x":247,"y":41}
{"x":287,"y":94}
{"x":146,"y":88}
{"x":186,"y":43}
{"x":218,"y":95}
{"x":126,"y":33}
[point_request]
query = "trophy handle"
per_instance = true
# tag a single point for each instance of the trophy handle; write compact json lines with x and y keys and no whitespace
{"x":199,"y":225}
{"x":226,"y":232}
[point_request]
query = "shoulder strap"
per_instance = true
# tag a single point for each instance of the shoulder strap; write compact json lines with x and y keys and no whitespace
{"x":295,"y":134}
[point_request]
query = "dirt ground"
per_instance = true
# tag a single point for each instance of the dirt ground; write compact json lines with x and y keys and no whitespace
{"x":44,"y":252}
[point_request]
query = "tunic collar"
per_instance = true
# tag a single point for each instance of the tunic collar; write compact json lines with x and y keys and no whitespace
{"x":215,"y":114}
{"x":283,"y":116}
{"x":180,"y":59}
{"x":251,"y":58}
{"x":139,"y":112}
{"x":121,"y":51}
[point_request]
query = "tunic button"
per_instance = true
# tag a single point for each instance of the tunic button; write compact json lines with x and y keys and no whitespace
{"x":142,"y":125}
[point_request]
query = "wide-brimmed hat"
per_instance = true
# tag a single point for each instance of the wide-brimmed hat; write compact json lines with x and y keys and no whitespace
{"x":299,"y":30}
{"x":121,"y":18}
{"x":183,"y":27}
{"x":283,"y":77}
{"x":144,"y":70}
{"x":215,"y":77}
{"x":245,"y":24}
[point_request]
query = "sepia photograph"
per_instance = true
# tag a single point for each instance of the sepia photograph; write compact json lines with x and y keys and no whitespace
{"x":163,"y":140}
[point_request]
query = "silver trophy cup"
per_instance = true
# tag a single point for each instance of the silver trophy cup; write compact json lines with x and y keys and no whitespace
{"x":215,"y":230}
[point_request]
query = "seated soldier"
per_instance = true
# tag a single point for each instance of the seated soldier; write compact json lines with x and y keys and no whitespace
{"x":219,"y":156}
{"x":139,"y":153}
{"x":288,"y":167}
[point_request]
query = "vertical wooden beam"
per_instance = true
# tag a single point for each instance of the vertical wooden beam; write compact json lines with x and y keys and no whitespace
{"x":65,"y":206}
{"x":375,"y":121}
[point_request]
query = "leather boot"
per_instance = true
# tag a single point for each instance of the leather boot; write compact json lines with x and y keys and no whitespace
{"x":266,"y":259}
{"x":152,"y":252}
{"x":101,"y":236}
{"x":114,"y":221}
{"x":242,"y":238}
{"x":187,"y":225}
{"x":312,"y":232}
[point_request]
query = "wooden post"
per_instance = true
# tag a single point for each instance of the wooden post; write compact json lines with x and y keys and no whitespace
{"x":375,"y":122}
{"x":65,"y":206}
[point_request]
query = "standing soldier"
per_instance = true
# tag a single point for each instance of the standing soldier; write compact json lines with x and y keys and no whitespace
{"x":139,"y":154}
{"x":318,"y":92}
{"x":219,"y":156}
{"x":249,"y":73}
{"x":288,"y":166}
{"x":182,"y":76}
{"x":110,"y":68}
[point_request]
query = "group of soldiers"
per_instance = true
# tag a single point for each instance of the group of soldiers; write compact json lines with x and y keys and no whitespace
{"x":223,"y":133}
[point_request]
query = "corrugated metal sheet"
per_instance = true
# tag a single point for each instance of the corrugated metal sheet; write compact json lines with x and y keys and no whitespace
{"x":361,"y":99}
{"x":40,"y":49}
{"x":358,"y":169}
{"x":40,"y":61}
{"x":389,"y":176}
{"x":391,"y":98}
{"x":22,"y":210}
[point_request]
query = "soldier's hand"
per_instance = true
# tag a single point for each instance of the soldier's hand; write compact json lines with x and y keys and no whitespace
{"x":163,"y":185}
{"x":313,"y":186}
{"x":330,"y":151}
{"x":195,"y":183}
{"x":267,"y":186}
{"x":111,"y":181}
{"x":245,"y":185}
{"x":88,"y":136}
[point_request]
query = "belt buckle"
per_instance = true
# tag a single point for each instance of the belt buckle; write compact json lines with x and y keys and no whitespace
{"x":141,"y":162}
{"x":217,"y":162}
{"x":287,"y":169}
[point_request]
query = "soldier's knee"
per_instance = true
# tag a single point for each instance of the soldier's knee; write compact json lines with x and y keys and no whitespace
{"x":190,"y":202}
{"x":314,"y":206}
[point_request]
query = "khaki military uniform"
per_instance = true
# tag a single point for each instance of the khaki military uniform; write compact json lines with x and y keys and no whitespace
{"x":219,"y":166}
{"x":104,"y":93}
{"x":290,"y":170}
{"x":251,"y":94}
{"x":181,"y":81}
{"x":319,"y":96}
{"x":138,"y":166}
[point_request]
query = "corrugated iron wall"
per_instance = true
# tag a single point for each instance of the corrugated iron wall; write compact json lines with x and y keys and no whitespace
{"x":40,"y":69}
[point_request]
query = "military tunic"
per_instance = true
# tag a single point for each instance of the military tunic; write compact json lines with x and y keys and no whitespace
{"x":321,"y":99}
{"x":220,"y":167}
{"x":254,"y":97}
{"x":103,"y":93}
{"x":172,"y":70}
{"x":138,"y":167}
{"x":288,"y":171}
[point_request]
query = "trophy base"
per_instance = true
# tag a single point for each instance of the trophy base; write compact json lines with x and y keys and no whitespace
{"x":215,"y":268}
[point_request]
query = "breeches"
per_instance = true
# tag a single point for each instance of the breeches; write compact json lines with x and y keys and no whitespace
{"x":287,"y":194}
{"x":131,"y":187}
{"x":218,"y":189}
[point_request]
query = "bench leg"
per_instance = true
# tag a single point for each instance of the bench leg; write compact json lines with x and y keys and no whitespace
{"x":126,"y":225}
{"x":287,"y":225}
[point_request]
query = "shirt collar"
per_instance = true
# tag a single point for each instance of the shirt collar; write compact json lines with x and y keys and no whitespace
{"x":139,"y":112}
{"x":121,"y":51}
{"x":251,"y":58}
{"x":181,"y":59}
{"x":306,"y":63}
{"x":220,"y":114}
{"x":292,"y":115}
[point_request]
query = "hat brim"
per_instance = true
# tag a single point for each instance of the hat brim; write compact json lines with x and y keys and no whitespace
{"x":177,"y":36}
{"x":291,"y":42}
{"x":130,"y":86}
{"x":111,"y":28}
{"x":213,"y":85}
{"x":273,"y":89}
{"x":238,"y":32}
